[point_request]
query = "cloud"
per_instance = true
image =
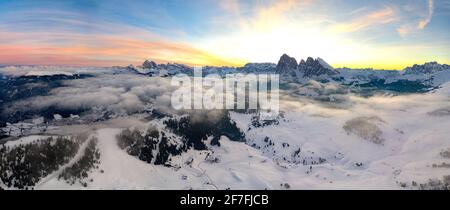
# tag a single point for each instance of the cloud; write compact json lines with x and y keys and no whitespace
{"x":269,"y":15}
{"x":381,"y":17}
{"x":107,"y":94}
{"x":100,"y":50}
{"x":257,"y":15}
{"x":41,"y":37}
{"x":411,"y":28}
{"x":231,"y":6}
{"x":404,"y":30}
{"x":120,"y":94}
{"x":423,"y":23}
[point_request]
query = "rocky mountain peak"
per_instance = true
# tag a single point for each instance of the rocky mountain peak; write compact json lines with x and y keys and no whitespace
{"x":149,"y":64}
{"x":287,"y":65}
{"x":427,"y":68}
{"x":315,"y":67}
{"x":310,"y":61}
{"x":302,"y":62}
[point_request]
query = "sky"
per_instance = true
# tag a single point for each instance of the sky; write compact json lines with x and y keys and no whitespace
{"x":382,"y":34}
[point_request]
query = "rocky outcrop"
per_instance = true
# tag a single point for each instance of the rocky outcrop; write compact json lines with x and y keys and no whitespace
{"x":427,"y":68}
{"x":149,"y":64}
{"x":315,"y":67}
{"x":287,"y":66}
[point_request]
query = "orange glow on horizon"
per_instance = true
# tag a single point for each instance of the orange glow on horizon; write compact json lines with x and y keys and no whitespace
{"x":110,"y":51}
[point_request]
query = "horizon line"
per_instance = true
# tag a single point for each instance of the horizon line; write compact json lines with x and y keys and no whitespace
{"x":2,"y":65}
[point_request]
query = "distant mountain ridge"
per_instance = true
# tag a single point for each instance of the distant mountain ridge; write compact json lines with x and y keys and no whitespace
{"x":417,"y":77}
{"x":287,"y":66}
{"x":427,"y":68}
{"x":430,"y":74}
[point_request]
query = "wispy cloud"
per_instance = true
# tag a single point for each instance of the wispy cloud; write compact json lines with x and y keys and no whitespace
{"x":380,"y":17}
{"x":275,"y":13}
{"x":62,"y":38}
{"x":256,"y":14}
{"x":423,"y":23}
{"x":409,"y":28}
{"x":231,"y":6}
{"x":99,"y":50}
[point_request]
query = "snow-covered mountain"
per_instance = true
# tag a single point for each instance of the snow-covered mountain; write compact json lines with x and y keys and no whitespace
{"x":315,"y":68}
{"x":291,"y":71}
{"x":258,"y":68}
{"x":417,"y":78}
{"x":427,"y":68}
{"x":412,"y":79}
{"x":287,"y":67}
{"x":150,"y":68}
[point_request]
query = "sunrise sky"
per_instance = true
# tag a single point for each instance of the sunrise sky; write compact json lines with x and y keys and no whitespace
{"x":353,"y":33}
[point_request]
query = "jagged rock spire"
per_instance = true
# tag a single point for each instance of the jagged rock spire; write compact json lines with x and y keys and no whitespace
{"x":286,"y":64}
{"x":149,"y":64}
